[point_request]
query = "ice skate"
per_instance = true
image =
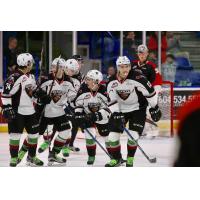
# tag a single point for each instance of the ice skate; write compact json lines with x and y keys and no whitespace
{"x":34,"y":162}
{"x":54,"y":158}
{"x":65,"y":151}
{"x":113,"y":163}
{"x":13,"y":162}
{"x":43,"y":146}
{"x":91,"y":160}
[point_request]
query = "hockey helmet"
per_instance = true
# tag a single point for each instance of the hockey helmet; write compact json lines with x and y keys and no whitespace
{"x":25,"y":59}
{"x":95,"y":75}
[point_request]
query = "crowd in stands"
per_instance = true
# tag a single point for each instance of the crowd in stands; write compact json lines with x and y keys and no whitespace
{"x":176,"y":66}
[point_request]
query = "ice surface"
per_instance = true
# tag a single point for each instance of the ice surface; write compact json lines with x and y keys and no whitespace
{"x":162,"y":148}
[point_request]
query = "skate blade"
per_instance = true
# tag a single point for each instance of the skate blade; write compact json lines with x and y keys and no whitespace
{"x":54,"y":163}
{"x":33,"y":165}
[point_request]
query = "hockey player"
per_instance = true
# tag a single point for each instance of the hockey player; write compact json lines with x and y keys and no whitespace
{"x":42,"y":97}
{"x":18,"y":109}
{"x":129,"y":93}
{"x":62,"y":91}
{"x":77,"y":78}
{"x":71,"y":69}
{"x":90,"y":113}
{"x":149,"y":69}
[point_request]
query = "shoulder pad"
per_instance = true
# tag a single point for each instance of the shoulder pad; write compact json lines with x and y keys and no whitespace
{"x":9,"y":83}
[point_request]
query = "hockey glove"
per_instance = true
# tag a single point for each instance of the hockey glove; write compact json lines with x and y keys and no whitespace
{"x":93,"y":117}
{"x":38,"y":93}
{"x":155,"y":113}
{"x":69,"y":112}
{"x":46,"y":99}
{"x":80,"y":118}
{"x":8,"y":112}
{"x":118,"y":117}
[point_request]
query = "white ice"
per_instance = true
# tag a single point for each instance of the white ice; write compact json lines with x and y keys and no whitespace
{"x":162,"y":148}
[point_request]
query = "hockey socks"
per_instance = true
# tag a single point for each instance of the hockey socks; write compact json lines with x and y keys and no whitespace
{"x":91,"y":147}
{"x":60,"y":140}
{"x":14,"y":148}
{"x":131,"y":148}
{"x":115,"y":149}
{"x":32,"y":144}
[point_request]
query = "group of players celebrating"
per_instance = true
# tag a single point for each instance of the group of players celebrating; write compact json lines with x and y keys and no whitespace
{"x":67,"y":100}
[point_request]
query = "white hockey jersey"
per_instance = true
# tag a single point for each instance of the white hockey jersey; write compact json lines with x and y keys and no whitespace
{"x":89,"y":101}
{"x":17,"y":91}
{"x":61,"y":93}
{"x":133,"y":93}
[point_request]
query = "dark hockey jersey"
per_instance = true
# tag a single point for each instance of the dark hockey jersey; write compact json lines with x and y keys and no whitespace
{"x":149,"y":70}
{"x":17,"y":91}
{"x":89,"y":101}
{"x":133,"y":93}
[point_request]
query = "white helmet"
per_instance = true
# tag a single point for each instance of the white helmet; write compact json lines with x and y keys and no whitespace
{"x":122,"y":60}
{"x":72,"y":65}
{"x":59,"y":61}
{"x":24,"y":59}
{"x":95,"y":75}
{"x":142,"y":48}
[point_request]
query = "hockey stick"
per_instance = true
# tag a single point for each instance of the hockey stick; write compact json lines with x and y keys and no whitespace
{"x":94,"y":138}
{"x":151,"y":160}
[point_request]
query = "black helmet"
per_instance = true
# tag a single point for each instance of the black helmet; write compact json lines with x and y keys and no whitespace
{"x":77,"y":57}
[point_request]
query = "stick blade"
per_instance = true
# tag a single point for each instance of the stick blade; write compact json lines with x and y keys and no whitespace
{"x":153,"y":160}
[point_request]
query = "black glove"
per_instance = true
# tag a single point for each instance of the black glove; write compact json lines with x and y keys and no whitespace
{"x":42,"y":96}
{"x":94,"y":116}
{"x":118,"y":117}
{"x":8,"y":112}
{"x":155,"y":113}
{"x":69,"y":112}
{"x":46,"y":99}
{"x":80,"y":118}
{"x":38,"y":93}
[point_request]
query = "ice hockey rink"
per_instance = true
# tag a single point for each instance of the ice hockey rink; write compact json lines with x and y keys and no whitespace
{"x":163,"y":148}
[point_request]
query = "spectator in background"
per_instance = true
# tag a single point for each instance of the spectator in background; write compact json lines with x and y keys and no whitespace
{"x":153,"y":57}
{"x":153,"y":44}
{"x":173,"y":43}
{"x":130,"y":45}
{"x":169,"y":68}
{"x":11,"y":54}
{"x":111,"y":71}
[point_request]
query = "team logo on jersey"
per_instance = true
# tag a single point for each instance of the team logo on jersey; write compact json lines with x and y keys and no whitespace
{"x":123,"y":94}
{"x":94,"y":107}
{"x":115,"y":84}
{"x":56,"y":95}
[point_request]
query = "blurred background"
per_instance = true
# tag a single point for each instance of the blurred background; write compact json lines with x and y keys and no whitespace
{"x":177,"y":54}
